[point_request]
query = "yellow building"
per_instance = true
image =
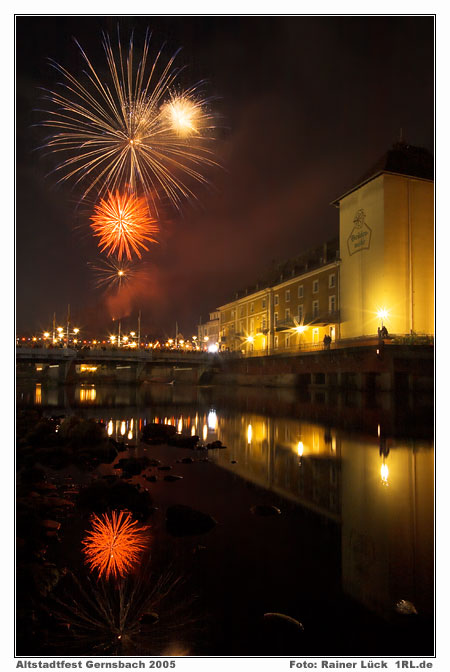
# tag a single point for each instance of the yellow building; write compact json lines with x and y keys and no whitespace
{"x":386,"y":227}
{"x":379,"y":273}
{"x":294,"y":310}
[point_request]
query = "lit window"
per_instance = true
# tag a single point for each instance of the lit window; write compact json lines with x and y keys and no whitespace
{"x":276,"y":341}
{"x":315,"y":286}
{"x":300,"y":292}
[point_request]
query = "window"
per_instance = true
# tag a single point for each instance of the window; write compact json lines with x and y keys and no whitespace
{"x":315,"y":307}
{"x":276,"y":341}
{"x":315,"y":335}
{"x":252,"y":326}
{"x":242,"y":311}
{"x":287,"y":341}
{"x":300,"y":292}
{"x":300,"y":313}
{"x":241,"y":327}
{"x":332,"y":303}
{"x":288,"y":295}
{"x":275,"y":319}
{"x":332,"y":280}
{"x":263,"y":304}
{"x":315,"y":286}
{"x":232,"y":314}
{"x":275,"y":300}
{"x":287,"y":314}
{"x":252,"y":307}
{"x":264,"y":324}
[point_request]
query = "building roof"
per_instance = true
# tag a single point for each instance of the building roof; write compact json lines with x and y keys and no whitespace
{"x":309,"y":260}
{"x":401,"y":159}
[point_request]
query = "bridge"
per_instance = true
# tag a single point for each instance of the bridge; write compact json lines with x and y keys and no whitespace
{"x":66,"y":365}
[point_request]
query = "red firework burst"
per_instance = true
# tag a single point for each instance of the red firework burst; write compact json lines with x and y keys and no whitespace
{"x":123,"y":224}
{"x":115,"y":544}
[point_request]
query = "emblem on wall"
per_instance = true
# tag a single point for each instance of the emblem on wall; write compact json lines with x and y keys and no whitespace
{"x":359,"y":238}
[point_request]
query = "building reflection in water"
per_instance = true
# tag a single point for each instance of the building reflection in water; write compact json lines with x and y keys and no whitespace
{"x":379,"y":491}
{"x":86,"y":393}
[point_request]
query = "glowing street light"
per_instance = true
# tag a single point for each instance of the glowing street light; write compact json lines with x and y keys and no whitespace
{"x":382,"y":313}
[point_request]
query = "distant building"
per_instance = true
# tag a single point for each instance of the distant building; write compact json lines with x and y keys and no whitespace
{"x":208,"y":333}
{"x":380,"y":272}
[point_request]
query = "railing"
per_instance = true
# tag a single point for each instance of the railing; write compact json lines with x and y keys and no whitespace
{"x":360,"y":341}
{"x":109,"y":354}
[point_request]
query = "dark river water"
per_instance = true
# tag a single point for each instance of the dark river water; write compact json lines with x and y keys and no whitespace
{"x":353,"y":477}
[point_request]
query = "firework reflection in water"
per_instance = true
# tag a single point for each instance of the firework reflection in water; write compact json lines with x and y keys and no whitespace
{"x":146,"y":613}
{"x":115,"y":544}
{"x":132,"y":130}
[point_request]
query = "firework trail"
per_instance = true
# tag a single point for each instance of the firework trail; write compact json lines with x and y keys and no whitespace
{"x":115,"y":544}
{"x":133,"y":130}
{"x":122,"y":222}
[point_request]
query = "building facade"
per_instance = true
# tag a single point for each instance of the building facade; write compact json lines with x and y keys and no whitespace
{"x":208,"y":333}
{"x":386,"y":231}
{"x":294,"y":313}
{"x":380,"y":272}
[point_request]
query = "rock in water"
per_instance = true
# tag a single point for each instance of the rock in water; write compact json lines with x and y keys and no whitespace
{"x":149,"y":619}
{"x":182,"y":441}
{"x":183,"y":521}
{"x":405,"y":608}
{"x":281,"y":620}
{"x":171,"y":478}
{"x":156,"y":432}
{"x":265,"y":510}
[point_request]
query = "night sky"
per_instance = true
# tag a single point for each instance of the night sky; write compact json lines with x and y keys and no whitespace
{"x":305,"y":105}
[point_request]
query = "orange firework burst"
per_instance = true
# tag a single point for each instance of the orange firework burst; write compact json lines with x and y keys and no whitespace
{"x":115,"y":544}
{"x":123,"y":223}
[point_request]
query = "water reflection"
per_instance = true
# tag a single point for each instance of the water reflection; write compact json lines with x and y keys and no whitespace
{"x":345,"y":460}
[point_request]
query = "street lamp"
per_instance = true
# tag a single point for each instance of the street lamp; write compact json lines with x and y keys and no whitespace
{"x":382,"y":313}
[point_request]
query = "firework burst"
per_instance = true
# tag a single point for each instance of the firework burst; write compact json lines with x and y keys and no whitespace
{"x":122,"y":222}
{"x":132,"y":130}
{"x":115,"y":544}
{"x":113,"y":274}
